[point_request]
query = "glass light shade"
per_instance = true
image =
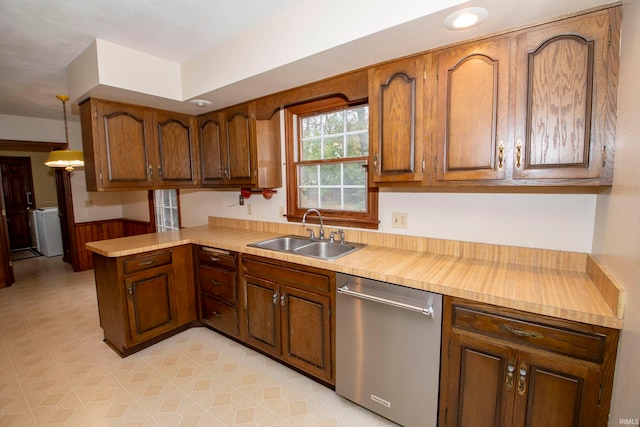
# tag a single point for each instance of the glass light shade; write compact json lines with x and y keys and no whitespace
{"x":67,"y":159}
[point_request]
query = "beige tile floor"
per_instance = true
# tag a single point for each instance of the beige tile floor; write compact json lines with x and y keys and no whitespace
{"x":56,"y":371}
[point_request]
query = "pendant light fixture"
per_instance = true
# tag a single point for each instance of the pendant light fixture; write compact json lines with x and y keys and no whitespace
{"x":67,"y":159}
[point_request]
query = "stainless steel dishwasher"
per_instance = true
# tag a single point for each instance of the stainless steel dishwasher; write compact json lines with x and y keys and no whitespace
{"x":388,"y":349}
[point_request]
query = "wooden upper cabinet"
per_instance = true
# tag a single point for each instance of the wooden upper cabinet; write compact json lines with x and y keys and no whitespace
{"x":236,"y":150}
{"x":132,"y":147}
{"x":566,"y":99}
{"x":118,"y":144}
{"x":212,"y":150}
{"x":177,"y":149}
{"x":396,"y":122}
{"x":239,"y":132}
{"x":473,"y":111}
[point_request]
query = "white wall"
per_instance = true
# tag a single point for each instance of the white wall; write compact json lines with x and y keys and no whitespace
{"x":617,"y":225}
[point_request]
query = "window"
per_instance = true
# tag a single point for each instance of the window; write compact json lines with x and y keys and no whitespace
{"x":166,"y":209}
{"x":327,"y":156}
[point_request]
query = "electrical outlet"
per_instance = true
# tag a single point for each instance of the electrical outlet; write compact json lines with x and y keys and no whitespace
{"x":249,"y":209}
{"x":281,"y":210}
{"x":399,"y":220}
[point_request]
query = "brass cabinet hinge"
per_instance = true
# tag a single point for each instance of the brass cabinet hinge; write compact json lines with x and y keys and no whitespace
{"x":437,"y":72}
{"x":424,"y":73}
{"x":604,"y":156}
{"x":609,"y":35}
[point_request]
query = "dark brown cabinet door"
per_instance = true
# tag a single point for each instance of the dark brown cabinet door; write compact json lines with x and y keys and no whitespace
{"x":240,"y":139}
{"x":565,"y":92}
{"x":151,"y":303}
{"x":306,"y":326}
{"x":213,"y":151}
{"x":126,"y":146}
{"x":19,"y":200}
{"x":396,"y":125}
{"x":554,"y":393}
{"x":481,"y":382}
{"x":263,"y":314}
{"x":176,"y":138}
{"x":473,"y":111}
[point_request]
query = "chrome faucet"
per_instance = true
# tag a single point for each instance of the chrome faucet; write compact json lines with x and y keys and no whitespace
{"x":311,"y":233}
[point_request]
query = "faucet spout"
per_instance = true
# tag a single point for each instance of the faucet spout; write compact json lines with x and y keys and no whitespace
{"x":316,"y":211}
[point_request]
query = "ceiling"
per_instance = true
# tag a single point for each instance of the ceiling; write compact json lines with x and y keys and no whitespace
{"x":39,"y":39}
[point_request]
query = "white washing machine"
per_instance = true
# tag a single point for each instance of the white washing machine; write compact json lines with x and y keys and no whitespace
{"x":49,"y":232}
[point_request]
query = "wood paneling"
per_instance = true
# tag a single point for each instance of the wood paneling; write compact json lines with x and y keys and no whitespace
{"x":85,"y":232}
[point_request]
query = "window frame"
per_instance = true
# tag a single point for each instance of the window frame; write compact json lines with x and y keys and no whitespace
{"x":152,"y":209}
{"x":367,"y":219}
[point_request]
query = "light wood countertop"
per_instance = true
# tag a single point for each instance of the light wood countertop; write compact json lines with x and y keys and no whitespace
{"x":569,"y":294}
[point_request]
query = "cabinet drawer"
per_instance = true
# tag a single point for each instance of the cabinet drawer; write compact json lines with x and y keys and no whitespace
{"x":217,"y":257}
{"x":289,"y":276}
{"x":219,"y":315}
{"x":217,"y":282}
{"x":145,"y":262}
{"x":570,"y":342}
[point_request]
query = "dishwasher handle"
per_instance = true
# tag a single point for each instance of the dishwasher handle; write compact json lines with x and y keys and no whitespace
{"x":427,"y":311}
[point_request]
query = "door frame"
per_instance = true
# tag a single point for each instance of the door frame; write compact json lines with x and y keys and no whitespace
{"x":15,"y":145}
{"x":27,"y":185}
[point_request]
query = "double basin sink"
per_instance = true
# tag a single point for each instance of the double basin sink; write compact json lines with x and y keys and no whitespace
{"x":322,"y":249}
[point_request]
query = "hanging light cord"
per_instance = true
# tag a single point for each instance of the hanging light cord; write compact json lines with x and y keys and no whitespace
{"x":64,"y":100}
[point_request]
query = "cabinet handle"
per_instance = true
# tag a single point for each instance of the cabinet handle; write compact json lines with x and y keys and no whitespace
{"x":510,"y":369}
{"x":522,"y":382}
{"x":214,"y":259}
{"x":130,"y":292}
{"x":282,"y":300}
{"x":150,"y":173}
{"x":500,"y":156}
{"x":518,"y":154}
{"x":151,"y":262}
{"x":215,"y":282}
{"x":216,"y":314}
{"x":522,"y":332}
{"x":160,"y":171}
{"x":375,"y":164}
{"x":275,"y":298}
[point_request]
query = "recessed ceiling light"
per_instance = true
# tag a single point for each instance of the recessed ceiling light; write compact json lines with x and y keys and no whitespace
{"x":466,"y":18}
{"x":200,"y":102}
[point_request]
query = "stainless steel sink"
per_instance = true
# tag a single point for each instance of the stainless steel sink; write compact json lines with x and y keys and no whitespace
{"x":322,"y":249}
{"x":282,"y":244}
{"x":325,"y":250}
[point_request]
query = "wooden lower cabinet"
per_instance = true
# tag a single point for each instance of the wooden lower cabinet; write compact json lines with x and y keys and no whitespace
{"x":144,"y":298}
{"x":288,"y":314}
{"x":218,"y":289}
{"x":502,"y":367}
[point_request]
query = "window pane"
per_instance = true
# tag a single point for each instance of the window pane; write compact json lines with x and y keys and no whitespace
{"x":333,"y":147}
{"x":357,"y":118}
{"x":355,"y":174}
{"x":308,"y":175}
{"x":358,"y":144}
{"x":308,"y":198}
{"x":355,"y":199}
{"x":166,"y":210}
{"x":331,"y":198}
{"x":311,"y":149}
{"x":330,"y":174}
{"x":334,"y":123}
{"x":312,"y":126}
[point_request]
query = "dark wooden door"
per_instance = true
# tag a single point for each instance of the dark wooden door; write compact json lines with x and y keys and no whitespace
{"x":482,"y":380}
{"x":67,"y":219}
{"x":239,"y":131}
{"x":176,"y":136}
{"x":554,"y":393}
{"x":306,"y":327}
{"x":212,"y":150}
{"x":396,"y":126}
{"x":151,"y":303}
{"x":263,"y":314}
{"x":19,"y":199}
{"x":473,"y":111}
{"x":6,"y":268}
